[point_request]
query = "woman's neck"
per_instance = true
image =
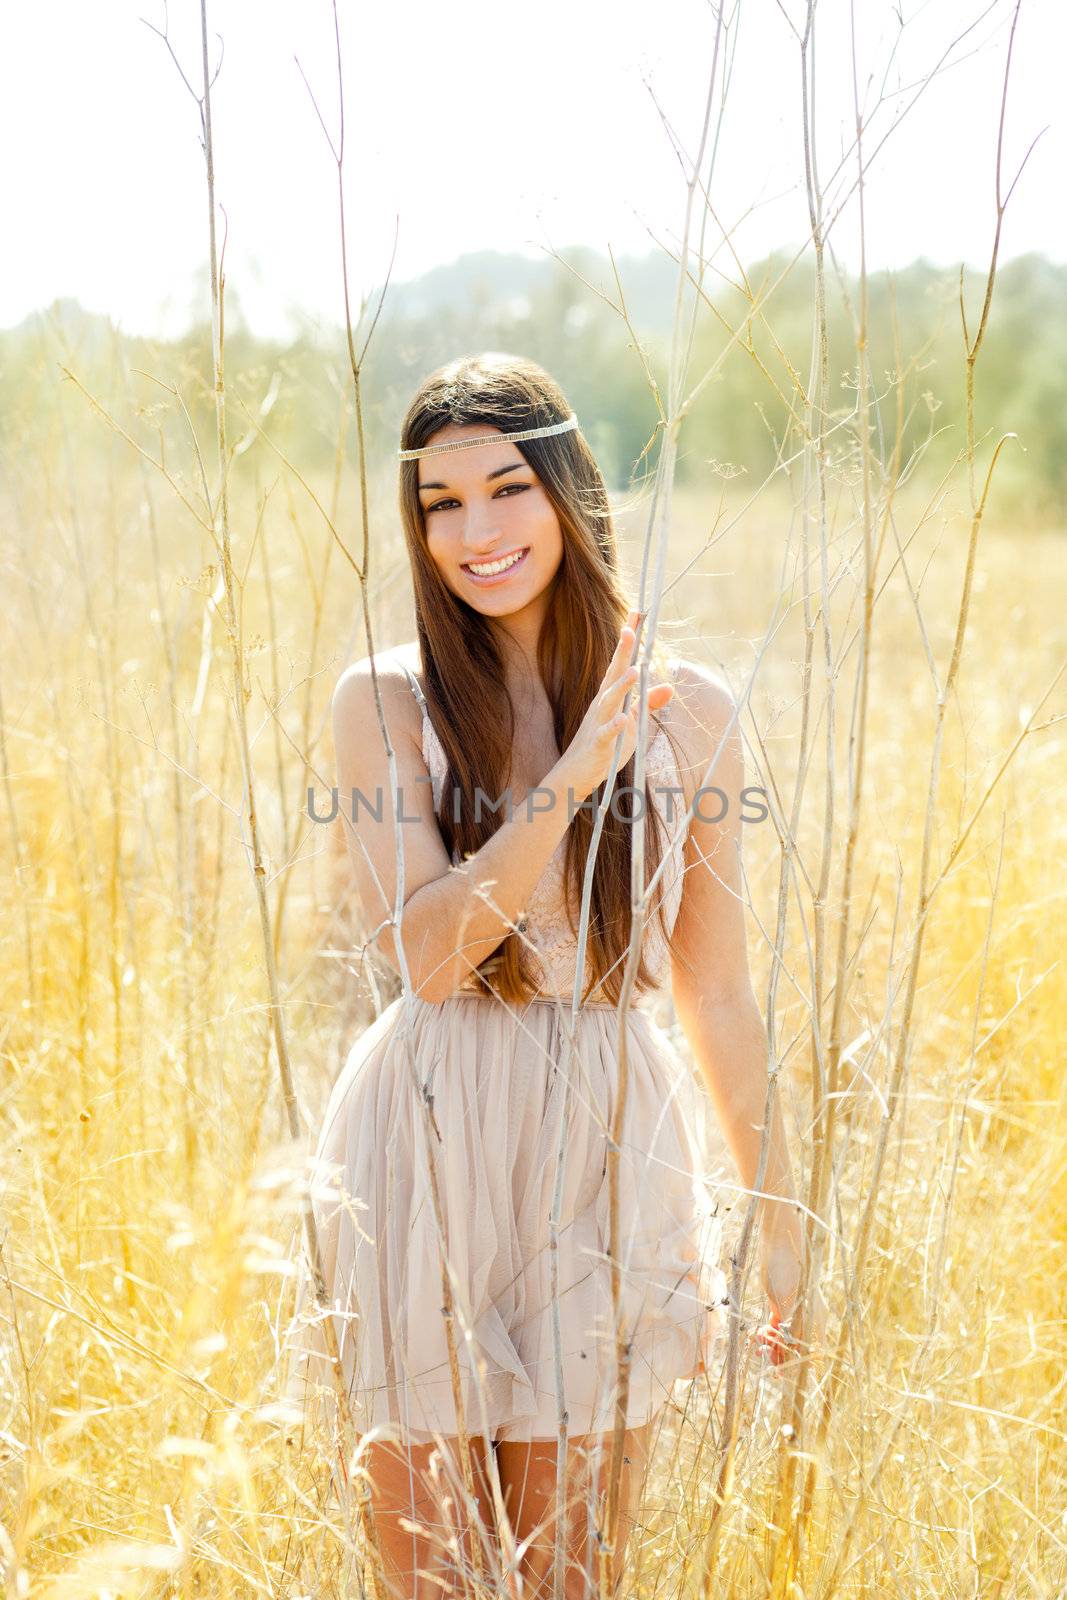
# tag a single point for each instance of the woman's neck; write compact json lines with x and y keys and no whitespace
{"x":517,"y":639}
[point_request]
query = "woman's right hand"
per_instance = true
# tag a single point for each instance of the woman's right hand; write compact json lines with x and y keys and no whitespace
{"x":587,"y":759}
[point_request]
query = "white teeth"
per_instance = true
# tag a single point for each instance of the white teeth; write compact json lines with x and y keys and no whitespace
{"x":486,"y":569}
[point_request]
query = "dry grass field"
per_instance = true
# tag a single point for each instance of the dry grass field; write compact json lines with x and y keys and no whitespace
{"x":150,"y":1181}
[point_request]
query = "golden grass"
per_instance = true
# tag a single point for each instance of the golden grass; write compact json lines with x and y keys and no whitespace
{"x":150,"y":1184}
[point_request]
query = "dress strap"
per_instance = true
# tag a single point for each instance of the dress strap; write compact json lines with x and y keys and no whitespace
{"x":415,"y":684}
{"x":432,"y":750}
{"x":417,"y":691}
{"x":427,"y":726}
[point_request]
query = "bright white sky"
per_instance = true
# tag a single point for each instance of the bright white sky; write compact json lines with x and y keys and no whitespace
{"x":488,"y":125}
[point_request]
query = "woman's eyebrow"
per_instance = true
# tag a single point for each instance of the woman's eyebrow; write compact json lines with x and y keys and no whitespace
{"x":497,"y":473}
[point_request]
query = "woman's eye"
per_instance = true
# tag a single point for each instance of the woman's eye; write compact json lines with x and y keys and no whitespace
{"x":439,"y":505}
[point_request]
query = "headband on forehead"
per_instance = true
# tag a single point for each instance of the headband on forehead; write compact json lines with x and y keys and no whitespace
{"x":490,"y":438}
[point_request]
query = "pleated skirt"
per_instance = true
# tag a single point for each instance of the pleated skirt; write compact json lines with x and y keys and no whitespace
{"x":508,"y":1108}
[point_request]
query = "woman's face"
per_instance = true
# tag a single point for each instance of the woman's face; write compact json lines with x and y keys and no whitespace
{"x":483,"y":508}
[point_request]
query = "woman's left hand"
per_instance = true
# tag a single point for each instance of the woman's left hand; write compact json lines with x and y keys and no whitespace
{"x":781,"y":1260}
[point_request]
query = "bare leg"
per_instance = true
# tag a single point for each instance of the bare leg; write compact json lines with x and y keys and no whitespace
{"x":528,"y":1484}
{"x":409,"y":1486}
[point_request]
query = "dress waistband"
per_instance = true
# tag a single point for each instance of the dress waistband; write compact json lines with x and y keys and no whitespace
{"x":556,"y":1001}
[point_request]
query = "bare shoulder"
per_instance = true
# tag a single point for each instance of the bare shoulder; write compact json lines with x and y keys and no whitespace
{"x":703,"y":707}
{"x":705,"y":727}
{"x":353,"y":702}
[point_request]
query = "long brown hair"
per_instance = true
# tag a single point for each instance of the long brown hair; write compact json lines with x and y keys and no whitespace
{"x":463,"y":668}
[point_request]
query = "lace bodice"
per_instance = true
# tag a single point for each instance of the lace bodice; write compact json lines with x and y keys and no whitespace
{"x":546,"y":928}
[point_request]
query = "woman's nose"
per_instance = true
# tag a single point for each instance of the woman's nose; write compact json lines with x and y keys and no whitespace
{"x":481,"y":537}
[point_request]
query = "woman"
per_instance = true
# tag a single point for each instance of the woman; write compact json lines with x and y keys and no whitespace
{"x":518,"y":689}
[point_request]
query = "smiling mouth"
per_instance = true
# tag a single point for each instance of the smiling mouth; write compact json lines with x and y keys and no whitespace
{"x":495,"y":569}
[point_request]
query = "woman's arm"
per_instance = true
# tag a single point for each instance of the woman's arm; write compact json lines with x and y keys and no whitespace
{"x":447,"y":926}
{"x":714,"y":1001}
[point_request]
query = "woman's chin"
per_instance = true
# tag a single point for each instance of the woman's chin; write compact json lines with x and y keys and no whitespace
{"x":501,"y":600}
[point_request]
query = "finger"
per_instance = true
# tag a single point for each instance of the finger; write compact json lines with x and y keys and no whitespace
{"x":627,"y":635}
{"x":628,"y":632}
{"x":620,"y":659}
{"x":658,"y":695}
{"x":768,"y":1337}
{"x":611,"y":695}
{"x":613,"y":723}
{"x":626,"y":716}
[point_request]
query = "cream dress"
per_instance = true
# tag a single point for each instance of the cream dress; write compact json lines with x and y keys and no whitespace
{"x":498,"y":1075}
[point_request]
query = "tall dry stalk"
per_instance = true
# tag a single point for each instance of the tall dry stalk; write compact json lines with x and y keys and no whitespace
{"x":218,"y":502}
{"x":451,"y":1307}
{"x":927,"y":886}
{"x":827,"y":1049}
{"x":657,"y":540}
{"x":606,"y":1518}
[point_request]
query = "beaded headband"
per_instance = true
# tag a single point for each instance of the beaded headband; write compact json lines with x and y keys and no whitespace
{"x":488,"y":438}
